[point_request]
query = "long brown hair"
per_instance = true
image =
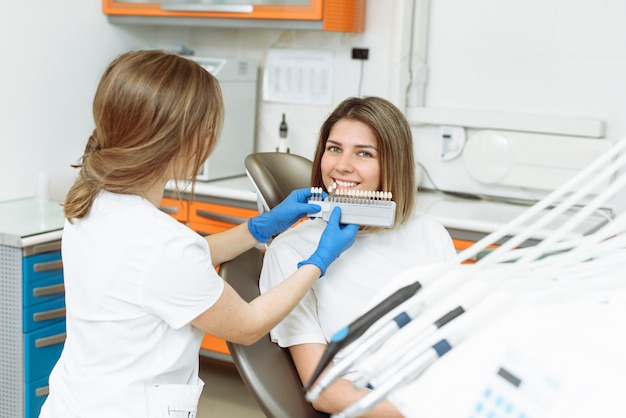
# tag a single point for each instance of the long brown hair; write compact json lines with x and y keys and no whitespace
{"x":153,"y":111}
{"x":395,"y":144}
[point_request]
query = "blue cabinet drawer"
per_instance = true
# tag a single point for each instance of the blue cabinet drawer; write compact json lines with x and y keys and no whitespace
{"x":44,"y":289}
{"x":36,"y":393}
{"x":42,"y":349}
{"x":39,"y":266}
{"x":44,"y":314}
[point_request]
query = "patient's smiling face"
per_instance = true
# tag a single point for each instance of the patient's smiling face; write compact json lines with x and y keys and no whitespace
{"x":351,"y":158}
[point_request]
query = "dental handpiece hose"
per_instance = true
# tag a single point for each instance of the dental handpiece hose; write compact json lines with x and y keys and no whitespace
{"x":436,"y":286}
{"x":411,"y":369}
{"x":377,"y":340}
{"x":386,"y":358}
{"x":358,"y":327}
{"x":355,"y":329}
{"x":370,"y":343}
{"x":554,"y":196}
{"x":407,"y":375}
{"x":584,"y":190}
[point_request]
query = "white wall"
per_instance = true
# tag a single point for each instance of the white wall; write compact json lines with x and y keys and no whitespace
{"x":304,"y":120}
{"x":564,"y":58}
{"x":55,"y":52}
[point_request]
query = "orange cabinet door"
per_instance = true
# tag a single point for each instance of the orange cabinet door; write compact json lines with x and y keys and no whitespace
{"x":214,"y":344}
{"x":207,"y":218}
{"x":178,"y":209}
{"x":462,"y":244}
{"x":335,"y":15}
{"x":211,"y":218}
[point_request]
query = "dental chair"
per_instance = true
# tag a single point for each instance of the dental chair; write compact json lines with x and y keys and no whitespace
{"x":276,"y":174}
{"x":265,"y":368}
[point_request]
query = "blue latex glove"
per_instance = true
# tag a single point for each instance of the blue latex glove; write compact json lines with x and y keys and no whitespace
{"x":285,"y":214}
{"x":335,"y":239}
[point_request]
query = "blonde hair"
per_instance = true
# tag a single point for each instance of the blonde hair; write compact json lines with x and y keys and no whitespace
{"x":395,"y":145}
{"x":153,"y":111}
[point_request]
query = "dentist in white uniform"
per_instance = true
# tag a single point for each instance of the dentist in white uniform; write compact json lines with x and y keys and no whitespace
{"x":141,"y":288}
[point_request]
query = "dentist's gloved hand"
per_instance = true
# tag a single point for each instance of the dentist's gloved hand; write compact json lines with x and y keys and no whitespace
{"x":335,"y":239}
{"x":285,"y":214}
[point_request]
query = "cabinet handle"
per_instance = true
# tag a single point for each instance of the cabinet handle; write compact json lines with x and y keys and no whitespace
{"x":222,"y":218}
{"x":47,"y":315}
{"x":42,"y":391}
{"x":220,"y":8}
{"x":47,"y":266}
{"x":49,"y":290}
{"x":52,"y":340}
{"x":172,"y":210}
{"x":42,"y":248}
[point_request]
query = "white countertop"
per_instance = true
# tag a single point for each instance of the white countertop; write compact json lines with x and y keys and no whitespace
{"x":237,"y":188}
{"x":482,"y":216}
{"x":487,"y":216}
{"x":25,"y":222}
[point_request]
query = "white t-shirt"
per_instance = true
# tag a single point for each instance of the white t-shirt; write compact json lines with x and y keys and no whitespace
{"x":134,"y":279}
{"x":353,"y":280}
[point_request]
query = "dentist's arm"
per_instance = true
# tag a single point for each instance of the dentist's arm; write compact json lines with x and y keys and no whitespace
{"x":229,"y":244}
{"x":236,"y":320}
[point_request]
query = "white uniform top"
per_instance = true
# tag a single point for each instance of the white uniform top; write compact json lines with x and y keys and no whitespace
{"x":354,"y":279}
{"x":134,"y":279}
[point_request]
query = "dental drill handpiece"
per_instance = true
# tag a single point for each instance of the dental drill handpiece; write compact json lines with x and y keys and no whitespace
{"x":408,"y":374}
{"x":356,"y":328}
{"x":370,"y":343}
{"x":411,"y":309}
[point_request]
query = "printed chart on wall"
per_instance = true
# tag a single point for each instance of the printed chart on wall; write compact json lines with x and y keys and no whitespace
{"x":298,"y":76}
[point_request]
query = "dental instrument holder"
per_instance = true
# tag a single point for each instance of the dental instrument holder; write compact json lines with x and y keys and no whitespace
{"x":359,"y":210}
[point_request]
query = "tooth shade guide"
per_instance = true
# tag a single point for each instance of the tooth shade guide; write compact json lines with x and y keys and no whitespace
{"x":316,"y":194}
{"x":359,"y":196}
{"x":360,"y":207}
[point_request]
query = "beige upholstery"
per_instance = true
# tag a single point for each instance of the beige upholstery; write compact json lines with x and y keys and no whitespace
{"x":267,"y":369}
{"x":275,"y":174}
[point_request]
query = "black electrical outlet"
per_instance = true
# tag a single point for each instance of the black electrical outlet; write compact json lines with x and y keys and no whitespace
{"x":360,"y":53}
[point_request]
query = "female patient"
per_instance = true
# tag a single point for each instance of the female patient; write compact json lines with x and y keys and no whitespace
{"x":140,"y":288}
{"x":365,"y":144}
